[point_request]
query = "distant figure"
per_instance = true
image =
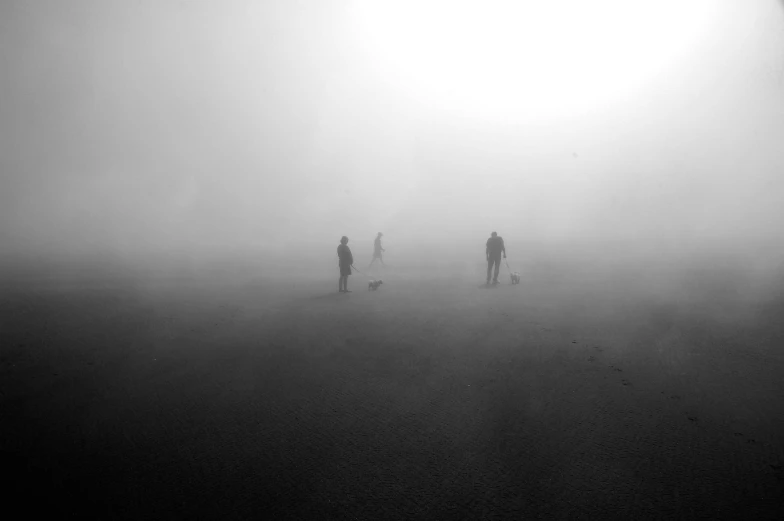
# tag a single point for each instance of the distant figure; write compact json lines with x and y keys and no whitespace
{"x":495,"y":247}
{"x":345,"y":260}
{"x":377,"y":249}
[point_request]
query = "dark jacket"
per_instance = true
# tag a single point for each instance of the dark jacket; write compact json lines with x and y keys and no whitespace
{"x":495,"y":245}
{"x":344,"y":256}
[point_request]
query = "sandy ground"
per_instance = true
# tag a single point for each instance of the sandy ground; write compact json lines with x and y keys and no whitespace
{"x":219,"y":397}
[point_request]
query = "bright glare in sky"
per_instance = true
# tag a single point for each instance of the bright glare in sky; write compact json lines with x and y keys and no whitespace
{"x":525,"y":58}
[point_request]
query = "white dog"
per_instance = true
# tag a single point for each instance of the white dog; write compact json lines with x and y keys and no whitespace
{"x":515,"y":277}
{"x":374,"y":284}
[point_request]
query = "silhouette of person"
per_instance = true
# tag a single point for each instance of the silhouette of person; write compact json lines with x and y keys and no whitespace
{"x":377,"y":249}
{"x":495,"y":247}
{"x":345,"y":260}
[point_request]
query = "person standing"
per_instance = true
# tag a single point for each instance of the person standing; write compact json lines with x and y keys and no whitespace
{"x":345,"y":260}
{"x":377,"y":249}
{"x":494,"y":248}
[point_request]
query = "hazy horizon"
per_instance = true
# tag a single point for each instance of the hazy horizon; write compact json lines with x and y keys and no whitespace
{"x":203,"y":129}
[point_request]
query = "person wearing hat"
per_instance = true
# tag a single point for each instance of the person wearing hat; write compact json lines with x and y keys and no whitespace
{"x":377,"y":249}
{"x":494,"y":248}
{"x":345,"y":260}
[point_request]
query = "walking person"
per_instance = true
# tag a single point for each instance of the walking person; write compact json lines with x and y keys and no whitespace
{"x":345,"y":260}
{"x":377,"y":249}
{"x":494,"y":248}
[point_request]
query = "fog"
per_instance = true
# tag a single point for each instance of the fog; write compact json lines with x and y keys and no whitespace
{"x":267,"y":130}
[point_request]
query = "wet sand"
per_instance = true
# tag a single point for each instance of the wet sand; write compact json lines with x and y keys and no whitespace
{"x":214,"y":397}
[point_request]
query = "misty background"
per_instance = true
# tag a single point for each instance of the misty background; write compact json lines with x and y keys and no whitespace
{"x":186,"y":130}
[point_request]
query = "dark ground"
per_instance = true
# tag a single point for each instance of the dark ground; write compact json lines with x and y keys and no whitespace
{"x":207,"y":397}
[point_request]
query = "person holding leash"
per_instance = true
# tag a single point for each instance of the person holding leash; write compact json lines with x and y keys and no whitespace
{"x":345,"y":260}
{"x":494,"y":248}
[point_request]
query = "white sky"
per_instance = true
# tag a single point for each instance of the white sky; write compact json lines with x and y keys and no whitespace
{"x":240,"y":124}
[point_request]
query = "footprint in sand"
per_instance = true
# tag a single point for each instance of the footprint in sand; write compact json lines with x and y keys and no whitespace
{"x":738,"y":434}
{"x":625,"y":382}
{"x":618,"y":369}
{"x":693,"y":418}
{"x":752,"y":441}
{"x":598,"y":348}
{"x":591,"y":359}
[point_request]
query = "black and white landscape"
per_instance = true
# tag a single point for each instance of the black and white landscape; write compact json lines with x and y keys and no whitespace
{"x":175,"y":178}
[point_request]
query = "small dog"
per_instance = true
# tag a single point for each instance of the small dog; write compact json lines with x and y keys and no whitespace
{"x":515,"y":277}
{"x":374,"y":284}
